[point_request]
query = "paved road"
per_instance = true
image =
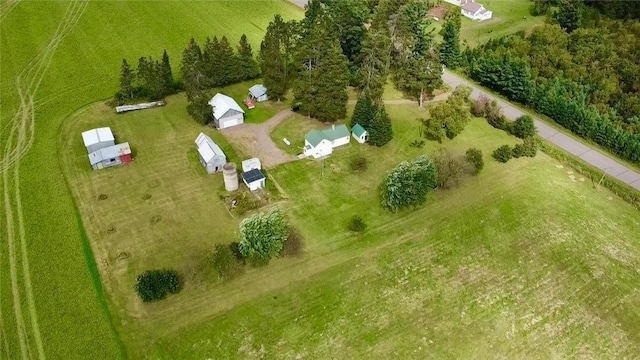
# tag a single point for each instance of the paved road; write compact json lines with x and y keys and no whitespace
{"x":590,"y":155}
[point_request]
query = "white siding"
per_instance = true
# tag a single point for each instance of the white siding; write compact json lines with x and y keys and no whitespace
{"x":231,"y":121}
{"x":341,"y":141}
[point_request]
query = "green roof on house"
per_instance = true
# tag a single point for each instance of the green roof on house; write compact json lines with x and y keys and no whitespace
{"x":358,"y":130}
{"x":315,"y":137}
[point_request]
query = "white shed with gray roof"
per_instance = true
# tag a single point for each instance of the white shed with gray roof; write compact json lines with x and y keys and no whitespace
{"x":258,"y":92}
{"x":226,"y":111}
{"x":110,"y":156}
{"x":211,"y":156}
{"x":96,"y":139}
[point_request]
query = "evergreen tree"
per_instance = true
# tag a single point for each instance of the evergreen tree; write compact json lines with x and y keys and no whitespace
{"x":380,"y":129}
{"x":419,"y":75}
{"x":143,"y":75}
{"x":450,"y":48}
{"x":211,"y":65}
{"x":364,"y":111}
{"x":275,"y":57}
{"x":227,"y":63}
{"x":247,"y":65}
{"x":195,"y":82}
{"x":374,"y":64}
{"x":167,"y":75}
{"x":569,"y":14}
{"x":348,"y":19}
{"x":126,"y":80}
{"x":321,"y":85}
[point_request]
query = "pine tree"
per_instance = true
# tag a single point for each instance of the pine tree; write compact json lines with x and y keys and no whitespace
{"x":275,"y":57}
{"x":569,"y":14}
{"x":167,"y":75}
{"x":247,"y":65}
{"x":380,"y":129}
{"x":211,"y":65}
{"x":321,"y":85}
{"x":195,"y":82}
{"x":227,"y":63}
{"x":143,"y":75}
{"x":348,"y":19}
{"x":364,"y":111}
{"x":126,"y":80}
{"x":450,"y":48}
{"x":374,"y":64}
{"x":419,"y":75}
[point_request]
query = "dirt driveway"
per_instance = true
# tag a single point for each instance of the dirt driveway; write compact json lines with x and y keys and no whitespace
{"x":254,"y":140}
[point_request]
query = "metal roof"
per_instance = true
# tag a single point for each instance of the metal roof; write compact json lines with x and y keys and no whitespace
{"x":222,"y":103}
{"x":250,"y":164}
{"x":252,"y":175}
{"x":358,"y":130}
{"x":257,"y":90}
{"x":472,"y":7}
{"x":109,"y":152}
{"x":207,"y":147}
{"x":314,"y":137}
{"x":336,"y":132}
{"x":95,"y":136}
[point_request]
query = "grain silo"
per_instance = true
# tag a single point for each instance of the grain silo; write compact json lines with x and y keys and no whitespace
{"x":230,"y":174}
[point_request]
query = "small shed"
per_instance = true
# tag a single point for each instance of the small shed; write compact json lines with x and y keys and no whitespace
{"x":258,"y":92}
{"x":254,"y":179}
{"x":110,"y":156}
{"x":360,"y":134}
{"x":250,"y":164}
{"x":96,"y":139}
{"x":226,"y":111}
{"x":211,"y":156}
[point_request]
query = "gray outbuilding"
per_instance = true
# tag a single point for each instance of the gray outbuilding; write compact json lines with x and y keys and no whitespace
{"x":110,"y":156}
{"x":226,"y":111}
{"x":258,"y":93}
{"x":211,"y":156}
{"x":96,"y":139}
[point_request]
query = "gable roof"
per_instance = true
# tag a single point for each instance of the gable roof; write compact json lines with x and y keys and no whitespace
{"x":472,"y":7}
{"x":314,"y":137}
{"x":94,"y":136}
{"x":358,"y":130}
{"x":336,"y":132}
{"x":109,"y":152}
{"x":257,"y":90}
{"x":253,"y":175}
{"x":222,"y":103}
{"x":207,"y":148}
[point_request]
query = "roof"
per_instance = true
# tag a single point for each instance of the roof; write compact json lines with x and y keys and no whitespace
{"x":336,"y":132}
{"x":314,"y":137}
{"x":472,"y":7}
{"x":257,"y":90}
{"x":94,"y":136}
{"x":249,"y":164}
{"x":252,"y":175}
{"x":109,"y":152}
{"x":358,"y":130}
{"x":222,"y":103}
{"x":207,"y":148}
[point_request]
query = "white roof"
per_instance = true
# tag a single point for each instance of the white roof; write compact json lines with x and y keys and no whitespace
{"x":207,"y":148}
{"x":109,"y":152}
{"x":250,"y":164}
{"x":257,"y":90}
{"x":94,"y":136}
{"x":222,"y":103}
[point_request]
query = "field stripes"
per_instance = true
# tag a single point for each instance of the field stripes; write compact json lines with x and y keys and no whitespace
{"x":20,"y":137}
{"x":7,"y":7}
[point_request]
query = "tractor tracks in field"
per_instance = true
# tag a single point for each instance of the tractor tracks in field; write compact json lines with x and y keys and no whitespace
{"x":19,"y":139}
{"x":6,"y":8}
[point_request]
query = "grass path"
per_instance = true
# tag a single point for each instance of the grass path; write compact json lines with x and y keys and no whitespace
{"x":20,"y":140}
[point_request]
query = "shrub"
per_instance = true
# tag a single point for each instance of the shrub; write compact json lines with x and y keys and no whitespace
{"x":293,"y":244}
{"x":358,"y":163}
{"x":262,"y":236}
{"x":529,"y":148}
{"x":225,"y":262}
{"x":503,"y":153}
{"x":357,"y":224}
{"x":408,"y":184}
{"x":478,"y":108}
{"x":474,"y":157}
{"x":418,"y":144}
{"x":154,"y":285}
{"x":498,"y":122}
{"x":523,"y":127}
{"x":451,"y":169}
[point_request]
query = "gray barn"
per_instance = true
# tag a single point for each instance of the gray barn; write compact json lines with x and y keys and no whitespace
{"x":226,"y":111}
{"x":211,"y":156}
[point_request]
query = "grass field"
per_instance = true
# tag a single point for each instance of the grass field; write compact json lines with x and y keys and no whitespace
{"x":58,"y":56}
{"x":263,"y":110}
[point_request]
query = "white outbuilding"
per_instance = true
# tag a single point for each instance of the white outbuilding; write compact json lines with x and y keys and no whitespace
{"x":211,"y":156}
{"x":226,"y":111}
{"x":254,"y":179}
{"x":258,"y":93}
{"x":250,"y":164}
{"x":360,"y":134}
{"x":96,"y":139}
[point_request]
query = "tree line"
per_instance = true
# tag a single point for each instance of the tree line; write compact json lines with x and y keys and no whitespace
{"x":151,"y":80}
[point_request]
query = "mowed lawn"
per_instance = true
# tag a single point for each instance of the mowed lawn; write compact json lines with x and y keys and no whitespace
{"x":78,"y":66}
{"x":519,"y":261}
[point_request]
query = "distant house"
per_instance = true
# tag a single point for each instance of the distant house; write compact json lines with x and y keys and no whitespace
{"x":319,"y":143}
{"x":472,"y":9}
{"x":226,"y":111}
{"x":360,"y":134}
{"x":96,"y":139}
{"x":250,"y":164}
{"x":110,"y":156}
{"x":258,"y":92}
{"x":211,"y":156}
{"x":254,"y":179}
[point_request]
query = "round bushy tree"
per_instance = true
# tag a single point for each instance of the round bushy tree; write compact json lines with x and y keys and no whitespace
{"x":408,"y":184}
{"x":262,"y":236}
{"x":154,"y":285}
{"x":523,"y":127}
{"x":503,"y":153}
{"x":357,"y":224}
{"x":474,"y":157}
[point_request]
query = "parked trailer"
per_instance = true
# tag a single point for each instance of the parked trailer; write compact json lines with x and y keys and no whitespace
{"x":125,"y":108}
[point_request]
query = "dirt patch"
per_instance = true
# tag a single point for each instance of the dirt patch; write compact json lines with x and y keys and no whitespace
{"x":102,"y":197}
{"x":155,"y":219}
{"x":111,"y":229}
{"x":438,"y":12}
{"x":146,"y":197}
{"x":255,"y":140}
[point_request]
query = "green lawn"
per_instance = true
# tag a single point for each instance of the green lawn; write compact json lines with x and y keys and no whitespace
{"x":262,"y":112}
{"x":520,"y":261}
{"x":81,"y":66}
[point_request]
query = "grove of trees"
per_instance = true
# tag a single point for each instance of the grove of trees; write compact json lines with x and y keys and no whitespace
{"x":151,"y":80}
{"x":154,"y":285}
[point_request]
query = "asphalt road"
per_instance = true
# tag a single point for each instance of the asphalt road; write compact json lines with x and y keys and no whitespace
{"x":585,"y":152}
{"x":590,"y":155}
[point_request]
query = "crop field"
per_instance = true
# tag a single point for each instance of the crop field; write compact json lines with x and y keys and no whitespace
{"x":58,"y":56}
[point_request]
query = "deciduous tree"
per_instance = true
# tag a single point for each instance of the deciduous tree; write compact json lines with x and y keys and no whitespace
{"x":408,"y":184}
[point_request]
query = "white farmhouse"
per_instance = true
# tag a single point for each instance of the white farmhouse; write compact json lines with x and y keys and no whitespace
{"x":472,"y":9}
{"x":319,"y":143}
{"x":226,"y":111}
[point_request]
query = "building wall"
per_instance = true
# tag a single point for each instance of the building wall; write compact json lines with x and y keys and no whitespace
{"x":361,"y":139}
{"x":341,"y":141}
{"x":256,"y":185}
{"x":215,"y":164}
{"x":232,"y":120}
{"x":100,"y":145}
{"x":320,"y":150}
{"x":262,"y":98}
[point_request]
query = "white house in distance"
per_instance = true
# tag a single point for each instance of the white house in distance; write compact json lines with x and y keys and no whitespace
{"x":472,"y":9}
{"x":360,"y":134}
{"x":102,"y":149}
{"x":226,"y":111}
{"x":319,"y":143}
{"x":258,"y":93}
{"x":211,"y":156}
{"x":254,"y":179}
